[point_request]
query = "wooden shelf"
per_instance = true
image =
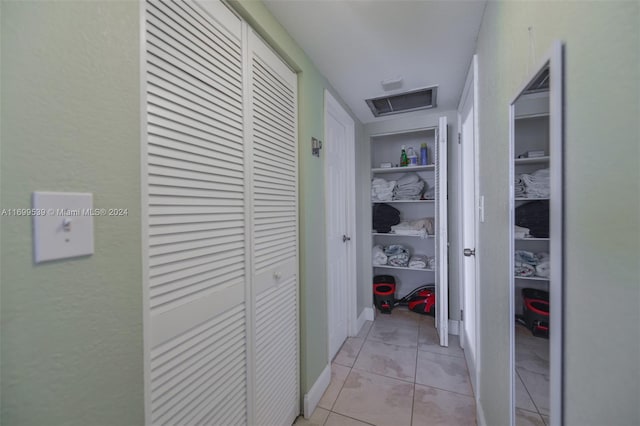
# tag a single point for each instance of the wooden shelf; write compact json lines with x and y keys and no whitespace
{"x":532,"y":199}
{"x":532,"y":239}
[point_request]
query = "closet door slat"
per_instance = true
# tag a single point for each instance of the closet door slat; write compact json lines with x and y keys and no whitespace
{"x":195,"y":264}
{"x":274,"y":190}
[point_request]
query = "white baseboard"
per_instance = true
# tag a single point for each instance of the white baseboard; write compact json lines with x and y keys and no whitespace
{"x":480,"y":420}
{"x":366,"y":315}
{"x":454,"y":327}
{"x":312,"y":398}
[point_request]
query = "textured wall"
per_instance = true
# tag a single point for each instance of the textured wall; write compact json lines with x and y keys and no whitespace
{"x":71,"y":330}
{"x":602,"y":199}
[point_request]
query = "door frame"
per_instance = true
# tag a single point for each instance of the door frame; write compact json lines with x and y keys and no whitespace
{"x":554,"y":60}
{"x":332,"y":107}
{"x":470,"y":89}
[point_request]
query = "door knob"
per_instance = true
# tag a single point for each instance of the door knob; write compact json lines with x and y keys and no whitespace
{"x":469,"y":252}
{"x":345,"y":238}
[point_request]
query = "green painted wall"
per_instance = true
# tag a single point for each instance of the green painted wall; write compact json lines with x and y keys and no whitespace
{"x":71,"y":347}
{"x":313,"y":284}
{"x":602,"y":373}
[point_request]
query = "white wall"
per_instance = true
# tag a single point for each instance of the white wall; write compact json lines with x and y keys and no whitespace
{"x":602,"y":201}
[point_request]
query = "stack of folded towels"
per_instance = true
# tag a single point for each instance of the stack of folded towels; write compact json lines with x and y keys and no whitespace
{"x":419,"y":228}
{"x":398,"y":255}
{"x":534,"y":185}
{"x":381,"y":190}
{"x":408,"y":187}
{"x":528,"y":264}
{"x":422,"y":262}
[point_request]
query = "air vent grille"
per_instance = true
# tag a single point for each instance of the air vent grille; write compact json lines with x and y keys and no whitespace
{"x":404,"y":102}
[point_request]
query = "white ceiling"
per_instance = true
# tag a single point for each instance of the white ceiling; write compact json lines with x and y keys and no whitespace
{"x":357,"y":44}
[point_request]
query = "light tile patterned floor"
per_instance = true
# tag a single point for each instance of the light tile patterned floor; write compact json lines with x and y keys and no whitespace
{"x":394,"y":373}
{"x":532,"y":378}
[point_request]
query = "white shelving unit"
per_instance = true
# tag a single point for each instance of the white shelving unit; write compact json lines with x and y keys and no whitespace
{"x":531,"y":134}
{"x":387,"y":148}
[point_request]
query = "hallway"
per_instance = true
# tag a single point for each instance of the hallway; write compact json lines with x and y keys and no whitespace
{"x":395,"y":373}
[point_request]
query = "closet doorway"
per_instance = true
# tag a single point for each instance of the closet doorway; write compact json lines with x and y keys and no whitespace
{"x":339,"y":171}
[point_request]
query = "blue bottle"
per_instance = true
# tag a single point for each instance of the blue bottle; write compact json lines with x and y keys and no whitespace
{"x":423,"y":155}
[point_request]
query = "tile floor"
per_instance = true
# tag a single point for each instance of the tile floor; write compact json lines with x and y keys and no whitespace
{"x":532,"y":378}
{"x":394,"y":373}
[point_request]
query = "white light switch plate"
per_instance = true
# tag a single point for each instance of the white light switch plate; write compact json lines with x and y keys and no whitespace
{"x":62,"y":225}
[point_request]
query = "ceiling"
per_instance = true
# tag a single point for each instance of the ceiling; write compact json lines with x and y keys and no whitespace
{"x":357,"y":44}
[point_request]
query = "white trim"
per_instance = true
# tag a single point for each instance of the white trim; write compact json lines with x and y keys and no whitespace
{"x":331,"y":106}
{"x":554,"y":60}
{"x":480,"y":417}
{"x":249,"y":279}
{"x":366,"y":315}
{"x":454,"y":327}
{"x":144,"y":216}
{"x":471,"y":84}
{"x":312,"y":398}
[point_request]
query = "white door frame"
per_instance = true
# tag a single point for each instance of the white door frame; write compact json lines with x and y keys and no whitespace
{"x":332,"y":107}
{"x":554,"y":59}
{"x":470,"y":90}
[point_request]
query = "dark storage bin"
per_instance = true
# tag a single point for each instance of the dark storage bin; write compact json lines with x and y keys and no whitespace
{"x":384,"y":293}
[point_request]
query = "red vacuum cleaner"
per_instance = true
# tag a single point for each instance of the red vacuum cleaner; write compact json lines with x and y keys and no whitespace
{"x":421,"y":300}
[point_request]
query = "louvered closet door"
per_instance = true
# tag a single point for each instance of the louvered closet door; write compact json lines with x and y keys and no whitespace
{"x":275,"y":236}
{"x":195,"y":267}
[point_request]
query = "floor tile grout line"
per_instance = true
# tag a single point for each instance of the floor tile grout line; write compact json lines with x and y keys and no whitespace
{"x":528,"y":393}
{"x":446,"y":390}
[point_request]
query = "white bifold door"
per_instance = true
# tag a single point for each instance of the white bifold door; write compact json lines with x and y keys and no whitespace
{"x":220,"y":211}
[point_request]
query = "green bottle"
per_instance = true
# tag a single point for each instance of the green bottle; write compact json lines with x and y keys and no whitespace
{"x":403,"y":158}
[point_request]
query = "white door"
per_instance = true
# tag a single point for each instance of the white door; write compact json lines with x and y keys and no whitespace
{"x":274,"y":236}
{"x":194,"y":239}
{"x":468,"y":191}
{"x":340,"y":199}
{"x":442,"y":281}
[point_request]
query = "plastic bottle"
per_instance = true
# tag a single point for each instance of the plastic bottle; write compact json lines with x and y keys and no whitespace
{"x":412,"y":157}
{"x":424,"y":159}
{"x":403,"y":158}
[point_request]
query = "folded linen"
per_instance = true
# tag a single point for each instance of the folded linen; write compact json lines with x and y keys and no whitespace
{"x":523,"y":269}
{"x":408,"y":179}
{"x":542,"y":269}
{"x":378,"y":256}
{"x":521,"y":232}
{"x":418,"y":262}
{"x":382,"y":190}
{"x":420,"y":227}
{"x":397,"y":255}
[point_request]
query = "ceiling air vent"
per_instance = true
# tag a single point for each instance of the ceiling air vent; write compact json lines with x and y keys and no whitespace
{"x":404,"y":102}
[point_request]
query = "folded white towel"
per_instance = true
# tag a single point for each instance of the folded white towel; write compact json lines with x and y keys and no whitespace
{"x":378,"y":256}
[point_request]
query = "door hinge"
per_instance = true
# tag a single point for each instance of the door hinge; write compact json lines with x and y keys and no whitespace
{"x":459,"y":138}
{"x":461,"y":314}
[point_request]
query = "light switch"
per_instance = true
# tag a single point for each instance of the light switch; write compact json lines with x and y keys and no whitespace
{"x":62,"y":225}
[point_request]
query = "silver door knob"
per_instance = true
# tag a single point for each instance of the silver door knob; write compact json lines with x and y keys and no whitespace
{"x":345,"y":238}
{"x":469,"y":252}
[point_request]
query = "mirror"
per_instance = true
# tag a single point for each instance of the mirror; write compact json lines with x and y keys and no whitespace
{"x":535,"y":267}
